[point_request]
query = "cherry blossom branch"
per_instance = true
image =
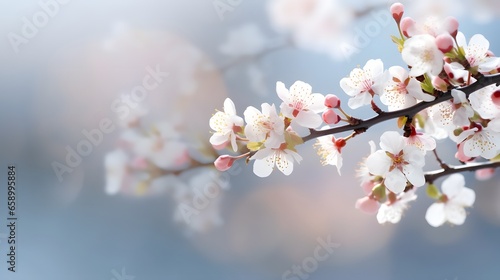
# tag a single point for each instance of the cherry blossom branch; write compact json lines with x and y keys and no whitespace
{"x":361,"y":126}
{"x":431,"y":176}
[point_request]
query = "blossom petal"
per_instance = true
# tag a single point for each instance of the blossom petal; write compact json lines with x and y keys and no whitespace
{"x":435,"y":215}
{"x":395,"y":181}
{"x":453,"y":185}
{"x":415,"y":175}
{"x":308,"y":119}
{"x":282,"y":91}
{"x":263,"y":167}
{"x":378,"y":163}
{"x":359,"y":100}
{"x":284,"y":162}
{"x":465,"y":197}
{"x":455,"y":214}
{"x":317,"y":103}
{"x":229,"y":107}
{"x":392,"y":142}
{"x":218,"y":139}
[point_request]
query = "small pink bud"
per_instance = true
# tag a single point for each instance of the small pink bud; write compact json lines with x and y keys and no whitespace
{"x":495,"y":97}
{"x":332,"y":101}
{"x":368,"y":187}
{"x":439,"y":84}
{"x":490,"y":53}
{"x":397,"y":10}
{"x":444,"y":43}
{"x":221,"y":146}
{"x":485,"y":174}
{"x":452,"y":26}
{"x":330,"y":117}
{"x":367,"y":205}
{"x":460,"y":154}
{"x":224,"y":162}
{"x":139,"y":163}
{"x":407,"y":24}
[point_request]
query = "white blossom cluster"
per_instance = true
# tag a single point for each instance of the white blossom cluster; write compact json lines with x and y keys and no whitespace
{"x":441,"y":65}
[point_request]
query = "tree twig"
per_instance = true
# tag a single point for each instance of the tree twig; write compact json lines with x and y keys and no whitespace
{"x":363,"y":125}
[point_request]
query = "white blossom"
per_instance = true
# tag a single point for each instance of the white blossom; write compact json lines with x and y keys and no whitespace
{"x":330,"y":151}
{"x":402,"y":91}
{"x":457,"y":197}
{"x":362,"y":84}
{"x":397,"y":162}
{"x":479,"y":141}
{"x":422,"y":54}
{"x":476,"y":52}
{"x":266,"y":126}
{"x":392,"y":212}
{"x":224,"y":125}
{"x":267,"y":158}
{"x":300,"y":104}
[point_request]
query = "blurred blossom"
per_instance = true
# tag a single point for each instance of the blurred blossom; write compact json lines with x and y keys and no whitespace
{"x":319,"y":25}
{"x":199,"y":199}
{"x":420,"y":10}
{"x":257,"y":80}
{"x":244,"y":40}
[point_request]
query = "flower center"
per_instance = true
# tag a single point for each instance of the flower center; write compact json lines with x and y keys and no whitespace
{"x":398,"y":161}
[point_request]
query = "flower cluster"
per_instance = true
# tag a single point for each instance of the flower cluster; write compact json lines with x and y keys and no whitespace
{"x":269,"y":137}
{"x":443,"y":94}
{"x":157,"y":160}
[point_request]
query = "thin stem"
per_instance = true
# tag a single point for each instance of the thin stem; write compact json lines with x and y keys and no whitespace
{"x":363,"y":125}
{"x":441,"y":163}
{"x":431,"y":176}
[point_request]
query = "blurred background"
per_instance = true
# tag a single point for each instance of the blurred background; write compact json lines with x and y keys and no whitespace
{"x":104,"y":112}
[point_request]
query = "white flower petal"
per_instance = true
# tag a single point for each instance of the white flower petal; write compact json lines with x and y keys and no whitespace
{"x":229,"y":107}
{"x":308,"y":119}
{"x":455,"y":214}
{"x":465,"y":197}
{"x":435,"y":215}
{"x":415,"y":175}
{"x":378,"y":163}
{"x":453,"y":185}
{"x":392,"y":142}
{"x":395,"y":181}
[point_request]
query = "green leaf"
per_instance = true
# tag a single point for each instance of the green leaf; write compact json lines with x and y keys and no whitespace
{"x":432,"y":191}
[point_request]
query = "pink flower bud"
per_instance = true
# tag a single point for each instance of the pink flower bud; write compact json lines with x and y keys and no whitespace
{"x":439,"y":84}
{"x":224,"y":162}
{"x":444,"y":43}
{"x":495,"y":97}
{"x":397,"y":10}
{"x":332,"y":101}
{"x":368,"y":187}
{"x":485,"y":174}
{"x":221,"y":146}
{"x":452,"y":26}
{"x":407,"y":25}
{"x":330,"y":117}
{"x":367,"y":205}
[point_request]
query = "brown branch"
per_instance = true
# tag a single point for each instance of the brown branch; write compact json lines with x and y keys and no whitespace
{"x":482,"y":82}
{"x":431,"y":176}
